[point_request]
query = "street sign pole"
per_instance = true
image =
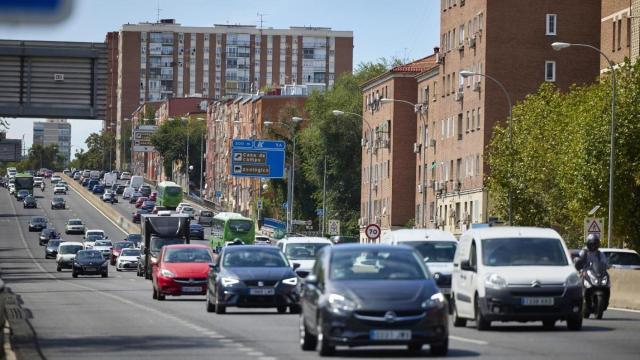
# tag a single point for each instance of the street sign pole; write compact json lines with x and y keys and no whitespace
{"x":324,"y":194}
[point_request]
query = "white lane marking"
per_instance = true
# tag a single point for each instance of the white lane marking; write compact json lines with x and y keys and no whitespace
{"x":216,"y":336}
{"x":245,"y":349}
{"x":625,"y":310}
{"x":267,"y":358}
{"x":255,"y":353}
{"x":103,"y":214}
{"x":472,"y":341}
{"x":226,"y":340}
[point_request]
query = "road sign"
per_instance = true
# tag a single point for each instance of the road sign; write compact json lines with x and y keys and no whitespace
{"x":593,"y":226}
{"x":320,"y":212}
{"x":372,"y":231}
{"x":142,"y":138}
{"x":334,"y":227}
{"x":260,"y":204}
{"x":257,"y":158}
{"x":309,"y":222}
{"x":218,"y":194}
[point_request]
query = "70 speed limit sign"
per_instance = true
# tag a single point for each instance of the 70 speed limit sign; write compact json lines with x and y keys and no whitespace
{"x":372,"y":231}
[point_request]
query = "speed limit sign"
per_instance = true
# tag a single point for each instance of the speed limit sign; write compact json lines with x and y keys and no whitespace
{"x":372,"y":231}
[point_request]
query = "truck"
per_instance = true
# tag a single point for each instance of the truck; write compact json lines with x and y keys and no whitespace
{"x":110,"y":179}
{"x":158,"y":231}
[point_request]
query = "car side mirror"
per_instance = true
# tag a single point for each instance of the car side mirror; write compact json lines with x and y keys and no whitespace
{"x":466,"y":266}
{"x":295,"y":266}
{"x":213,"y":266}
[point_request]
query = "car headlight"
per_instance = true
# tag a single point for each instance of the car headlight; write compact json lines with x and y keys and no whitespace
{"x":291,"y":281}
{"x":436,"y":300}
{"x":339,"y":304}
{"x":227,"y":281}
{"x":105,"y":264}
{"x":495,"y":281}
{"x":167,"y":273}
{"x":573,"y":280}
{"x":605,"y":280}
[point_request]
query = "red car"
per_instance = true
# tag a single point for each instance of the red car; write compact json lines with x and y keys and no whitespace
{"x":153,"y":196}
{"x":181,"y":270}
{"x":141,"y":200}
{"x":117,"y":248}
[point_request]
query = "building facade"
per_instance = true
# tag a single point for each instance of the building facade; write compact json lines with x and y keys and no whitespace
{"x":479,"y":36}
{"x":157,"y":61}
{"x":10,"y":149}
{"x":54,"y":132}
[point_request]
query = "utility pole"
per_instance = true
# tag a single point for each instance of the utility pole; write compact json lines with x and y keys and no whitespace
{"x":324,"y":196}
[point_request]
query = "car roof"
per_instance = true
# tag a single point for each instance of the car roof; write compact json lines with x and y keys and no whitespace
{"x":95,"y":230}
{"x":305,"y":240}
{"x":186,"y":246}
{"x":514,"y":232}
{"x":250,"y":247}
{"x":619,"y":250}
{"x":74,"y":220}
{"x":71,"y":243}
{"x":379,"y":247}
{"x":419,"y":235}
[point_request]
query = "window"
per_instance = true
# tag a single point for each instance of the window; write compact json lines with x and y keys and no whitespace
{"x":628,"y":32}
{"x":460,"y":120}
{"x":478,"y":120}
{"x":550,"y":71}
{"x":477,"y":172}
{"x":613,"y":37}
{"x":551,"y":24}
{"x":468,"y":121}
{"x":619,"y":33}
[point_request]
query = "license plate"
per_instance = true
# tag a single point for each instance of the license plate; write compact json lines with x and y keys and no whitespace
{"x":261,"y":291}
{"x":537,"y":301}
{"x":191,"y":289}
{"x":90,"y":269}
{"x":390,"y":335}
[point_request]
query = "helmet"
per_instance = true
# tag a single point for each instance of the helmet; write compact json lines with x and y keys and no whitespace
{"x":593,"y":242}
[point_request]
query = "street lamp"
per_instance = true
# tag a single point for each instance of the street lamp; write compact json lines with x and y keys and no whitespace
{"x":465,"y":74}
{"x":557,"y":46}
{"x":291,"y":186}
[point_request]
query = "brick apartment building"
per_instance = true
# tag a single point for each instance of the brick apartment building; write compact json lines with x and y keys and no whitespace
{"x":509,"y":41}
{"x":241,"y":118}
{"x":157,"y":61}
{"x":619,"y":31}
{"x":388,"y":131}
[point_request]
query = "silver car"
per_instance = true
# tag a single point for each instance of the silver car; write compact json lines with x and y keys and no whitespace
{"x":74,"y":226}
{"x":205,"y":217}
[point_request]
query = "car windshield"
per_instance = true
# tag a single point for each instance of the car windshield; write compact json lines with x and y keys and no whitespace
{"x":523,"y":252}
{"x":157,"y":243}
{"x":373,"y":264}
{"x":434,"y":251}
{"x":58,"y":199}
{"x":187,"y":255}
{"x":103,"y":243}
{"x":70,"y":249}
{"x":240,"y":226}
{"x":89,"y":255}
{"x":123,"y":245}
{"x":206,"y":213}
{"x":53,"y":243}
{"x":623,"y":258}
{"x":93,"y":237}
{"x":254,"y":258}
{"x":134,"y":237}
{"x":130,"y":252}
{"x":305,"y":251}
{"x":38,"y":220}
{"x":96,"y":233}
{"x":75,"y":222}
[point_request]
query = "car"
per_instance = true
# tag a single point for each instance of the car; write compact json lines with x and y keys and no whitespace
{"x":90,"y":262}
{"x":98,"y":189}
{"x":74,"y":226}
{"x":51,"y":250}
{"x":104,"y":246}
{"x":196,"y":231}
{"x":85,"y":182}
{"x":145,"y":190}
{"x":205,"y":217}
{"x":252,"y":276}
{"x":107,"y":196}
{"x":262,"y":240}
{"x":63,"y":183}
{"x":128,"y":259}
{"x":372,"y":295}
{"x":12,"y":189}
{"x":140,"y":201}
{"x":58,"y":203}
{"x":134,"y":238}
{"x":164,"y":213}
{"x":148,"y":205}
{"x":125,"y":176}
{"x":59,"y":189}
{"x":46,"y":235}
{"x":137,"y":216}
{"x":92,"y":183}
{"x":181,"y":205}
{"x":127,"y":192}
{"x":117,"y":248}
{"x":177,"y":262}
{"x":302,"y":250}
{"x":90,"y":236}
{"x":76,"y":176}
{"x":29,"y":202}
{"x":120,"y":189}
{"x":37,"y":223}
{"x":158,"y":208}
{"x":133,"y":199}
{"x":341,"y":239}
{"x":55,"y":179}
{"x":188,"y":210}
{"x":21,"y":194}
{"x":622,"y":258}
{"x":515,"y":274}
{"x":153,"y":196}
{"x":67,"y":251}
{"x":37,"y":180}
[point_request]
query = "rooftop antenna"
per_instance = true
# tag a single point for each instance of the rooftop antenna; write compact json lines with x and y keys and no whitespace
{"x":261,"y":16}
{"x":158,"y":12}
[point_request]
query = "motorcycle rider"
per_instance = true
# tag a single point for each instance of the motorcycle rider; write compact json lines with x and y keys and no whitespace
{"x":591,"y":253}
{"x":42,"y":186}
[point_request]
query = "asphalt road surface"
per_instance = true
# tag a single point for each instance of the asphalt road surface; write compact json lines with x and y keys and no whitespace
{"x":115,"y":317}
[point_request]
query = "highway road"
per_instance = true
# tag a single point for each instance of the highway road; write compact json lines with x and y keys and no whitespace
{"x":115,"y":317}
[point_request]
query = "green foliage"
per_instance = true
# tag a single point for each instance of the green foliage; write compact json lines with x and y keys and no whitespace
{"x":558,"y":167}
{"x":101,"y":147}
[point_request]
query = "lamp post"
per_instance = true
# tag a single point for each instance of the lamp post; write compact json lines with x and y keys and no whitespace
{"x":465,"y":74}
{"x":557,"y":46}
{"x":291,"y":186}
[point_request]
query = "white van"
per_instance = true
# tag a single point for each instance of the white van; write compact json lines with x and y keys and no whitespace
{"x":136,"y":181}
{"x":302,"y":250}
{"x":437,"y":248}
{"x":66,"y":253}
{"x":515,"y":274}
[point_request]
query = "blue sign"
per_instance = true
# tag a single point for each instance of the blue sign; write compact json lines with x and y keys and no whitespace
{"x":320,"y":212}
{"x":218,"y":194}
{"x":258,"y":158}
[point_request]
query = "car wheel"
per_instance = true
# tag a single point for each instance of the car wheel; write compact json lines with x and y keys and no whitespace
{"x":414,"y":347}
{"x":325,"y":348}
{"x":59,"y":268}
{"x":220,"y":309}
{"x":548,"y":324}
{"x":210,"y":307}
{"x":481,"y":322}
{"x":105,"y":275}
{"x":161,"y":296}
{"x":282,"y":309}
{"x":295,"y":309}
{"x":457,"y":320}
{"x":118,"y":269}
{"x":440,"y":349}
{"x":574,"y":323}
{"x":155,"y":294}
{"x":308,"y":341}
{"x":74,"y":274}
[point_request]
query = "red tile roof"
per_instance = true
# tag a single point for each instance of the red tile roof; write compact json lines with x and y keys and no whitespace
{"x":420,"y":65}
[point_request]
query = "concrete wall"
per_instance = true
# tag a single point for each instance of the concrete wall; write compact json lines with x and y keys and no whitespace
{"x":625,"y":289}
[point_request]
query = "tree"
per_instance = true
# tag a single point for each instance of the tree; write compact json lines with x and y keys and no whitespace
{"x":101,"y":148}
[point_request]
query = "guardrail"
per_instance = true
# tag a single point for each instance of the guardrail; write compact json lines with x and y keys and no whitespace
{"x":105,"y":208}
{"x":625,"y":288}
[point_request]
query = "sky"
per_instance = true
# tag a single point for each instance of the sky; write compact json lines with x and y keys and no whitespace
{"x":381,"y":29}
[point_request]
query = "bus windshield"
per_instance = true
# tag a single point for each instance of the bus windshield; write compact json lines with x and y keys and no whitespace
{"x":172,"y":190}
{"x":240,"y":226}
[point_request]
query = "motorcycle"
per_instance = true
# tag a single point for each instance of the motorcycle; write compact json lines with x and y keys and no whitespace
{"x":42,"y":187}
{"x":597,"y":289}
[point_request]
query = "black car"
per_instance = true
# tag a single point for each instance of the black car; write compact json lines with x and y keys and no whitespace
{"x":134,"y":238}
{"x":30,"y":202}
{"x":85,"y":182}
{"x":37,"y":223}
{"x":47,"y":234}
{"x":22,"y":194}
{"x":148,"y":205}
{"x":90,"y":262}
{"x":252,"y":276}
{"x":370,"y":295}
{"x":120,"y":189}
{"x":196,"y":231}
{"x":58,"y":203}
{"x":51,"y":250}
{"x":145,"y":190}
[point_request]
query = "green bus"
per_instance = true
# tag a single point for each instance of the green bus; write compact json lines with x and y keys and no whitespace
{"x":24,"y":181}
{"x":169,"y":194}
{"x":227,"y":227}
